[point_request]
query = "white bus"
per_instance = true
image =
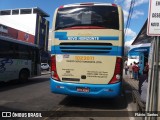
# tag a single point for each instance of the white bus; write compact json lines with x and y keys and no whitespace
{"x":87,"y":50}
{"x":18,"y":59}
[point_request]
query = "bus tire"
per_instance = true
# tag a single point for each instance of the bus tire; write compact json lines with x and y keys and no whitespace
{"x":23,"y":75}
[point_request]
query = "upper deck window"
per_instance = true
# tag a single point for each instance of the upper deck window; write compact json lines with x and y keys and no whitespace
{"x":105,"y":17}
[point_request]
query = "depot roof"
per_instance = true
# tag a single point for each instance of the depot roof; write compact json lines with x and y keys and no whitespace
{"x":142,"y":36}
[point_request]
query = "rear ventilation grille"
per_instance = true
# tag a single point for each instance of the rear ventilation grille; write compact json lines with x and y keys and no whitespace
{"x":81,"y":43}
{"x":85,"y":47}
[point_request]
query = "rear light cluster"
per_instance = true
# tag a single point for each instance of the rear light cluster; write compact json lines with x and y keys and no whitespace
{"x":114,"y":5}
{"x":60,"y":7}
{"x":117,"y":72}
{"x":54,"y":74}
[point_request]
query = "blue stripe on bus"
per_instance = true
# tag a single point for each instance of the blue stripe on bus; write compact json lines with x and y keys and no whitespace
{"x":63,"y":36}
{"x":102,"y":90}
{"x":90,"y":50}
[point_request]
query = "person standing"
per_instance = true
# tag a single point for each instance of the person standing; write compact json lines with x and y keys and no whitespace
{"x":135,"y":70}
{"x":130,"y":71}
{"x":142,"y":78}
{"x":139,"y":72}
{"x":126,"y":68}
{"x":146,"y":68}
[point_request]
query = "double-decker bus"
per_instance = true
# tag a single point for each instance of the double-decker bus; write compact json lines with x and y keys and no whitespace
{"x":18,"y":60}
{"x":87,"y":50}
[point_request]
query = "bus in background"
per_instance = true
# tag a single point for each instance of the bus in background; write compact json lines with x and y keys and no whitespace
{"x":139,"y":54}
{"x":18,"y":60}
{"x":87,"y":50}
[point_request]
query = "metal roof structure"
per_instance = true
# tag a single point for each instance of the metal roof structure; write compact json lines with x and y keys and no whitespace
{"x":142,"y":36}
{"x":13,"y":40}
{"x":19,"y":11}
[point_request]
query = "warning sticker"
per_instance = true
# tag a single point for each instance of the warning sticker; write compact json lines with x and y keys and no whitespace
{"x":67,"y":72}
{"x":97,"y":74}
{"x":59,"y":58}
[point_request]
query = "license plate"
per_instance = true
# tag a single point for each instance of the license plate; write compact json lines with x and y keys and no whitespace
{"x":83,"y":89}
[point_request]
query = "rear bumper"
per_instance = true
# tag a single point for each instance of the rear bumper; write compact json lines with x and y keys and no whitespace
{"x":95,"y":90}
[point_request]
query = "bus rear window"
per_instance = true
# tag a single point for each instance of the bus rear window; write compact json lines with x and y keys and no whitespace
{"x":105,"y":17}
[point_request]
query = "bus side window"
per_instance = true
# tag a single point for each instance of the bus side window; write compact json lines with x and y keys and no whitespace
{"x":16,"y":51}
{"x":32,"y":54}
{"x":3,"y":48}
{"x":6,"y":50}
{"x":11,"y":52}
{"x":23,"y":52}
{"x":29,"y":53}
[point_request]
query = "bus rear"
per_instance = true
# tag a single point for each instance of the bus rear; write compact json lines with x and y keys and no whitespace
{"x":87,"y":49}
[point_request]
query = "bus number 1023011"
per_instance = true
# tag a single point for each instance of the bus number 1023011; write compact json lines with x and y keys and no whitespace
{"x":89,"y":58}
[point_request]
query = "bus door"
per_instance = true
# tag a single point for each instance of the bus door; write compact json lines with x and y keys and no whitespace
{"x":35,"y":61}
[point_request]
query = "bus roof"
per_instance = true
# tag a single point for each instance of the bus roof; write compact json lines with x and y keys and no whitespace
{"x":86,"y":4}
{"x":9,"y":39}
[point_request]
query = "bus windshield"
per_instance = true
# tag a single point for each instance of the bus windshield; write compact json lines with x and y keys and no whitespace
{"x":102,"y":17}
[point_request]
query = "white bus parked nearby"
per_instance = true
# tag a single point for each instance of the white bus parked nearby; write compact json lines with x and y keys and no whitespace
{"x":18,"y":59}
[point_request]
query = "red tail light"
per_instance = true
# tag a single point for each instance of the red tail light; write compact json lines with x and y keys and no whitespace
{"x":60,"y":7}
{"x":114,"y":5}
{"x":117,"y":72}
{"x":54,"y":74}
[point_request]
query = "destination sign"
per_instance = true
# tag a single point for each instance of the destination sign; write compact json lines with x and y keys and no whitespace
{"x":153,"y":28}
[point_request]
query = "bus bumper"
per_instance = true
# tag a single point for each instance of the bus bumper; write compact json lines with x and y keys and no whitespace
{"x":95,"y":90}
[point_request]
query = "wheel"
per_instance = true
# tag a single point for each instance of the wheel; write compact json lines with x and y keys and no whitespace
{"x":23,"y":76}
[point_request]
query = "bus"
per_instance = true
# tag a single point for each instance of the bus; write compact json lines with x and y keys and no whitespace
{"x":87,"y":50}
{"x":139,"y":54}
{"x":18,"y":60}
